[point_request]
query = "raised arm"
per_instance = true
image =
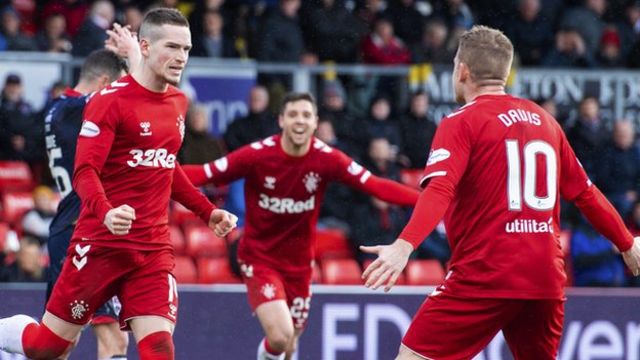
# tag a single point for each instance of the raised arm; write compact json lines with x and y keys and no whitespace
{"x":224,"y":170}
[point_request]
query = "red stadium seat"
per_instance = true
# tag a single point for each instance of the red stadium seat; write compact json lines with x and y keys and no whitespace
{"x":177,"y":239}
{"x":411,"y":177}
{"x":341,"y":272}
{"x":424,"y":272}
{"x":332,"y":243}
{"x":14,"y":205}
{"x":218,"y":270}
{"x":316,"y":274}
{"x":201,"y":241}
{"x":4,"y":231}
{"x":15,"y":176}
{"x":185,"y":270}
{"x":181,"y":216}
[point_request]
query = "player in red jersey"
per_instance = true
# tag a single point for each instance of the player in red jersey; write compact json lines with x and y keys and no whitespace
{"x":125,"y":174}
{"x":495,"y":170}
{"x":286,"y":177}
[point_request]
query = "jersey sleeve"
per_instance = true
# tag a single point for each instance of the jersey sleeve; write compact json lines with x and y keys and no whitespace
{"x":94,"y":143}
{"x":224,"y":170}
{"x":349,"y":172}
{"x":186,"y":194}
{"x":573,"y":178}
{"x":450,"y":151}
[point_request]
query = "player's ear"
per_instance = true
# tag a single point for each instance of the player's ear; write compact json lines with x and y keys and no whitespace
{"x":281,"y":121}
{"x":463,"y":72}
{"x":144,"y":47}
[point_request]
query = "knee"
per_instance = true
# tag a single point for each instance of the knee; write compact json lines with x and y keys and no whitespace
{"x":156,"y":346}
{"x":280,"y":339}
{"x":40,"y":343}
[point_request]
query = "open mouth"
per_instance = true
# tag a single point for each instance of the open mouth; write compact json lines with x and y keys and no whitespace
{"x":299,"y":131}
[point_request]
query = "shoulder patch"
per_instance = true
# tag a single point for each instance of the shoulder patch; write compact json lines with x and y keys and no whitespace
{"x":89,"y":129}
{"x":438,"y":155}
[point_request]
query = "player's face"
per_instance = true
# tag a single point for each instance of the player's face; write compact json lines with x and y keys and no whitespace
{"x":168,"y":54}
{"x":298,"y":122}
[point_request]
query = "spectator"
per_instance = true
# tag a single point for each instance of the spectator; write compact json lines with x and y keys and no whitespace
{"x":587,"y":20}
{"x":588,"y":135}
{"x":375,"y":222}
{"x":281,"y":37}
{"x":618,"y":170}
{"x":531,"y":33}
{"x":550,"y":105}
{"x":132,"y":17}
{"x":380,"y":125}
{"x":27,"y":266}
{"x":199,"y":146}
{"x":595,"y":260}
{"x":417,"y":132}
{"x":382,"y":47}
{"x":569,"y":51}
{"x":456,"y":14}
{"x":436,"y":246}
{"x":212,"y":42}
{"x":334,"y":212}
{"x":609,"y":53}
{"x":407,"y":21}
{"x":629,"y":27}
{"x":257,"y":125}
{"x":53,"y":37}
{"x":11,"y":38}
{"x":92,"y":33}
{"x":16,"y":121}
{"x":348,"y":128}
{"x":74,"y":12}
{"x":368,"y":12}
{"x":433,"y":47}
{"x":36,"y":221}
{"x":332,"y":32}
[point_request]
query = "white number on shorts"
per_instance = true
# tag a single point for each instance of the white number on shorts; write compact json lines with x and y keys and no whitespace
{"x":173,"y":288}
{"x":300,"y":308}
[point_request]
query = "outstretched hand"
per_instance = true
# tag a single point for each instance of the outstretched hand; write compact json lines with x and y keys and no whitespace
{"x":222,"y":222}
{"x":388,"y":266}
{"x":632,"y":257}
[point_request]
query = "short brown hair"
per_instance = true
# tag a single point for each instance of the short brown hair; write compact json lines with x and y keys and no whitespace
{"x":487,"y":52}
{"x":297,"y":96}
{"x":161,"y":16}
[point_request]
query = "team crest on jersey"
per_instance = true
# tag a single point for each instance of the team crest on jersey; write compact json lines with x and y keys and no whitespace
{"x":180,"y":125}
{"x":311,"y":181}
{"x":146,"y":128}
{"x":78,"y":309}
{"x":269,"y":291}
{"x":270,"y":182}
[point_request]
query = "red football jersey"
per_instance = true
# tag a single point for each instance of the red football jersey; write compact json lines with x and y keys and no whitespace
{"x":283,"y":195}
{"x":508,"y":161}
{"x":126,"y":154}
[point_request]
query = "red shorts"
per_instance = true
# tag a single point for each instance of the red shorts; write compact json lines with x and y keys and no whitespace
{"x":91,"y":275}
{"x":265,"y":284}
{"x":447,"y":327}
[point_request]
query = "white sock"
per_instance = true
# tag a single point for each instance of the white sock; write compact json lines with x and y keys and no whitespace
{"x":263,"y":354}
{"x":11,"y":329}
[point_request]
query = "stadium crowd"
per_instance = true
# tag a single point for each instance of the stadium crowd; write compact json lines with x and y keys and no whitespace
{"x":392,"y":140}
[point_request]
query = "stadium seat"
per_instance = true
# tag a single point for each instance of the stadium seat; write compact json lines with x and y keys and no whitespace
{"x":177,"y":239}
{"x":215,"y":271}
{"x":424,"y":272}
{"x":181,"y":216}
{"x":411,"y":177}
{"x":341,"y":272}
{"x":185,"y":270}
{"x":14,"y":205}
{"x":4,"y":231}
{"x":201,"y":241}
{"x":316,"y":274}
{"x":332,"y":243}
{"x":15,"y":176}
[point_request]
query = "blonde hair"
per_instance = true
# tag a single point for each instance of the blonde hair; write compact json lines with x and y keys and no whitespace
{"x":488,"y":53}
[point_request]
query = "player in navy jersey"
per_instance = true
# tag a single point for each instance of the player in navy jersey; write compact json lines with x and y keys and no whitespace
{"x":62,"y":125}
